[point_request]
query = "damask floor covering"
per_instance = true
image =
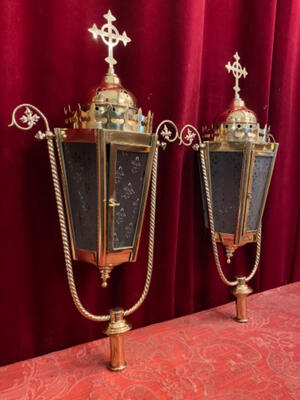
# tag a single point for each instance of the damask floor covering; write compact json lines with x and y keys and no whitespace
{"x":201,"y":356}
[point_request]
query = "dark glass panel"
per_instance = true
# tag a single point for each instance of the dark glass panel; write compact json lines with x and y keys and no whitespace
{"x":225,"y":169}
{"x":81,"y":170}
{"x":130,"y":172}
{"x":261,"y":172}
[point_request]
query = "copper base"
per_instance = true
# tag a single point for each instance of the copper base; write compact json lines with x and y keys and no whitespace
{"x":241,"y":291}
{"x":115,"y":330}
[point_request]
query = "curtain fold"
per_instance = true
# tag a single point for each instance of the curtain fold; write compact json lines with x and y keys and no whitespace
{"x":175,"y":67}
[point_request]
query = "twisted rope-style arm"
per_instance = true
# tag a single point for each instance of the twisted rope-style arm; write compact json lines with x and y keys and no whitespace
{"x":188,"y":140}
{"x":31,"y":119}
{"x":151,"y":237}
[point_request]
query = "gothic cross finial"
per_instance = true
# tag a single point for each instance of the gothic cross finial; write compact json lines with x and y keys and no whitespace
{"x":237,"y":72}
{"x":111,"y":37}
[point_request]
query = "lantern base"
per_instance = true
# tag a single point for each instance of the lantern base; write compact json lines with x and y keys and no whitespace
{"x":241,"y":291}
{"x":115,"y":330}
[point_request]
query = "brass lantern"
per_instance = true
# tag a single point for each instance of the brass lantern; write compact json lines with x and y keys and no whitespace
{"x":236,"y":164}
{"x":106,"y":156}
{"x":106,"y":153}
{"x":239,"y":161}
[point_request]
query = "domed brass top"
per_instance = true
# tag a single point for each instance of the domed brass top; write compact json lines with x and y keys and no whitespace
{"x":111,"y":91}
{"x":237,"y":123}
{"x":110,"y":106}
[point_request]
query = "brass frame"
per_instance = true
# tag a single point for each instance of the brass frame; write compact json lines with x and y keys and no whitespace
{"x":250,"y":151}
{"x":264,"y":150}
{"x":106,"y":256}
{"x":131,"y":142}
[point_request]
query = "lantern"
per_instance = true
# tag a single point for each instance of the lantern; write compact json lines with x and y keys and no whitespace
{"x":236,"y":163}
{"x":106,"y":154}
{"x":106,"y":157}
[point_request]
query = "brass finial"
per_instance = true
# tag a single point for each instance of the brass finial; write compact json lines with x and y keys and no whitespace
{"x":111,"y":37}
{"x":237,"y":72}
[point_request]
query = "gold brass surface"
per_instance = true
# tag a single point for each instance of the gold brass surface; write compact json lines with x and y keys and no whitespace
{"x":110,"y":110}
{"x":234,"y":130}
{"x":115,"y":330}
{"x":250,"y":150}
{"x":241,"y":291}
{"x":107,"y":257}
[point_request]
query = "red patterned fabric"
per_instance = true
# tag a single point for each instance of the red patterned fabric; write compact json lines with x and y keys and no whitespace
{"x":200,"y":356}
{"x":175,"y":67}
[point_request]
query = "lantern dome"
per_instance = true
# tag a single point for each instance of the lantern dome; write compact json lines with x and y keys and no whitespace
{"x":237,"y":123}
{"x":109,"y":106}
{"x":112,"y":91}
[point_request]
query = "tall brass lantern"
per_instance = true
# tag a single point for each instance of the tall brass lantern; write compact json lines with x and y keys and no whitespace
{"x":106,"y":155}
{"x":236,"y":164}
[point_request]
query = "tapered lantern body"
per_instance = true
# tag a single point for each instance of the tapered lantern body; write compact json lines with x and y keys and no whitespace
{"x":239,"y":163}
{"x":106,"y":159}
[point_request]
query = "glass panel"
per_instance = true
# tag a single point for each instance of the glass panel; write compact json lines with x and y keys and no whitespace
{"x":261,"y":172}
{"x":225,"y":170}
{"x":130,"y":172}
{"x":81,"y":170}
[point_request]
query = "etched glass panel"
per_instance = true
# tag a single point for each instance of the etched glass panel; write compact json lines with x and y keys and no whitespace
{"x":261,"y":172}
{"x":129,"y":180}
{"x":81,"y":170}
{"x":225,"y":169}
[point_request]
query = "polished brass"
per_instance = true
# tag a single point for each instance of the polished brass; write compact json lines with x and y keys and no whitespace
{"x":241,"y":237}
{"x":115,"y":330}
{"x":116,"y":327}
{"x":241,"y":291}
{"x":109,"y":119}
{"x":107,"y":257}
{"x":110,"y":106}
{"x":111,"y":37}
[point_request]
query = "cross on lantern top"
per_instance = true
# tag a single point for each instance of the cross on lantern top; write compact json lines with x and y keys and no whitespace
{"x":237,"y":72}
{"x":111,"y":37}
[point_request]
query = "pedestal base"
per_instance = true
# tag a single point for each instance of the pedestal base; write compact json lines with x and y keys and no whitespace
{"x":241,"y":291}
{"x":115,"y":330}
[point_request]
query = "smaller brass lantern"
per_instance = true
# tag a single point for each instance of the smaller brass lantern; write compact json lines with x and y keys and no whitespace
{"x":236,"y":162}
{"x":239,"y":161}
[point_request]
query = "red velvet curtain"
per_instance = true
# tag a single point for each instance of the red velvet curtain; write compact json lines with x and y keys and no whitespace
{"x":175,"y":67}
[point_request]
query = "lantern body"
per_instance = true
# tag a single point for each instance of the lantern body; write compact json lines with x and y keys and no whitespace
{"x":239,"y":175}
{"x":239,"y":160}
{"x":105,"y":179}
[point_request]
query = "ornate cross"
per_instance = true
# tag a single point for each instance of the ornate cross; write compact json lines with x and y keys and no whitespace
{"x":111,"y":37}
{"x":237,"y":72}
